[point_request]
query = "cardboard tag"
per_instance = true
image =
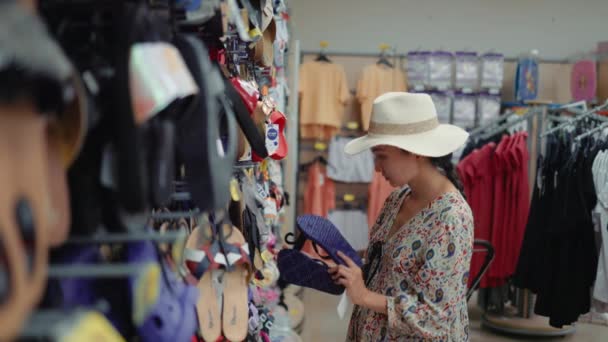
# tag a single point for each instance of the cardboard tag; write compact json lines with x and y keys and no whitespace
{"x":92,"y":326}
{"x":235,"y":193}
{"x":343,"y":306}
{"x":272,"y":138}
{"x":158,"y":76}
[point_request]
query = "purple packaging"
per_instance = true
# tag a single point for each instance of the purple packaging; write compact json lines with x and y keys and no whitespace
{"x":418,"y":69}
{"x":443,"y":105}
{"x":492,"y":70}
{"x":465,"y":110}
{"x":488,"y":107}
{"x":441,"y":70}
{"x":467,"y":71}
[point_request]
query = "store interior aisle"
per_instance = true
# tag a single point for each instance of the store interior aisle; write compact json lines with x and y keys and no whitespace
{"x":323,"y":324}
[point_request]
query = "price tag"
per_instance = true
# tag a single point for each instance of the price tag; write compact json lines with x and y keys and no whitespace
{"x":235,"y":192}
{"x":267,"y":256}
{"x":92,"y":326}
{"x":352,"y":125}
{"x":494,"y":91}
{"x":320,"y":146}
{"x":349,"y":197}
{"x":147,"y":290}
{"x":467,"y":90}
{"x":418,"y":87}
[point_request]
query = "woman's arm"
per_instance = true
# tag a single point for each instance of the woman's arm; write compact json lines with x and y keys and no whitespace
{"x":351,"y":277}
{"x":374,"y":301}
{"x":419,"y":308}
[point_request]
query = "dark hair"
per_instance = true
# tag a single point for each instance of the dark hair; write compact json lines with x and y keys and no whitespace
{"x":444,"y":165}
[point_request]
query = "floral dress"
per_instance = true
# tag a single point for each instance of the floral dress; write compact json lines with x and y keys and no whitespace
{"x":423,"y":270}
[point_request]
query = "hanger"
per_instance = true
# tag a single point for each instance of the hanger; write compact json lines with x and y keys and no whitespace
{"x":531,"y":113}
{"x":592,"y":131}
{"x":322,"y":57}
{"x":491,"y":123}
{"x":576,"y":119}
{"x":383,"y":60}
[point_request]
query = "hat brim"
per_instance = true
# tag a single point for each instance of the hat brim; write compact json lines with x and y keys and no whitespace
{"x":441,"y":141}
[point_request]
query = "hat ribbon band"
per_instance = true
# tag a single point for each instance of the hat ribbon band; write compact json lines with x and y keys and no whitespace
{"x":400,"y":129}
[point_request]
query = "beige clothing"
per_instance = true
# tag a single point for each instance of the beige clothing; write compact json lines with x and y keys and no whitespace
{"x":324,"y":92}
{"x":375,"y":80}
{"x":319,"y":132}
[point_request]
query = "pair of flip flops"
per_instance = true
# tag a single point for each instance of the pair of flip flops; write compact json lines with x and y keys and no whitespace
{"x":220,"y":248}
{"x":154,"y":303}
{"x":300,"y":269}
{"x":163,"y":308}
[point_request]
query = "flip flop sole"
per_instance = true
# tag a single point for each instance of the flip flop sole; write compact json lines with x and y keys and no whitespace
{"x":235,"y":314}
{"x":207,"y":307}
{"x":298,"y":269}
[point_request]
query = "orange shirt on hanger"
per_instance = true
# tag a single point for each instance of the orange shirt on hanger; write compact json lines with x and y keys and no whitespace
{"x":320,"y":195}
{"x":379,"y":190}
{"x":324,"y":92}
{"x":375,"y":80}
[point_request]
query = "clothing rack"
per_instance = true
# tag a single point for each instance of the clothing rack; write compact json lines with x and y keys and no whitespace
{"x":590,"y":113}
{"x":593,"y":131}
{"x":532,"y":112}
{"x":490,"y":123}
{"x":525,"y":323}
{"x":402,"y":56}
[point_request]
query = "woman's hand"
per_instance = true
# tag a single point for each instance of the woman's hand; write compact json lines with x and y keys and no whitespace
{"x":351,"y":277}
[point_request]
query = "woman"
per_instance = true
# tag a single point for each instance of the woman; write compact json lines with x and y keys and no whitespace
{"x":413,"y":286}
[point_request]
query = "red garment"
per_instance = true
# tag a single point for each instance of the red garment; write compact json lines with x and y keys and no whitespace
{"x":476,"y":172}
{"x":379,"y":190}
{"x":501,"y":203}
{"x":320,"y":196}
{"x":522,"y":200}
{"x":496,"y":185}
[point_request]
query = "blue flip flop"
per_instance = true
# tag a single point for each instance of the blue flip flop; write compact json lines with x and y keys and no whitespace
{"x":322,"y":232}
{"x":298,"y":269}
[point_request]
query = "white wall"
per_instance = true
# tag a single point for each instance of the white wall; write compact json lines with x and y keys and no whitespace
{"x":557,"y":28}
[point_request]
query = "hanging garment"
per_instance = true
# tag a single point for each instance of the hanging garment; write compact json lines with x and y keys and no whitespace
{"x":352,"y":224}
{"x":379,"y":190}
{"x":476,"y":172}
{"x":357,"y":168}
{"x":600,"y":178}
{"x":495,"y":179}
{"x":375,"y":80}
{"x":324,"y":91}
{"x":558,"y":259}
{"x":320,"y":196}
{"x":319,"y":132}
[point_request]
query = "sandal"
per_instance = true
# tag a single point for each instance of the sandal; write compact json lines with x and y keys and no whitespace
{"x":162,"y":305}
{"x":203,"y":256}
{"x":235,"y":313}
{"x":299,"y":269}
{"x":323,"y":232}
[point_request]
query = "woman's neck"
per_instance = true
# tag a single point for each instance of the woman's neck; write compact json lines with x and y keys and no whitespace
{"x":429,"y":184}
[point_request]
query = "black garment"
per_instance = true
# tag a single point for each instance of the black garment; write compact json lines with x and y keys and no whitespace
{"x":558,"y":260}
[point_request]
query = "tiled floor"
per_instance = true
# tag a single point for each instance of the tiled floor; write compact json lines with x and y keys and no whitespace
{"x":323,"y":324}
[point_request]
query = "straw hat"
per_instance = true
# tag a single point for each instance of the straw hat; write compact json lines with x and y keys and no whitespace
{"x":408,"y":121}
